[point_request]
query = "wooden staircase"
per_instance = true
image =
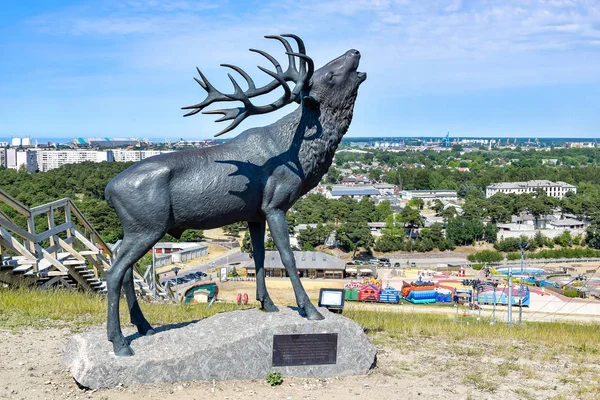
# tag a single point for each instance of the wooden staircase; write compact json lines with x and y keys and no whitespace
{"x":70,"y":254}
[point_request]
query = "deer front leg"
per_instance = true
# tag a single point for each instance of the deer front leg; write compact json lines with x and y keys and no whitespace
{"x":279,"y":232}
{"x":257,"y":236}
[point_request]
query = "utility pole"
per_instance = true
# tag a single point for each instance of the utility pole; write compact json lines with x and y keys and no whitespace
{"x":523,"y":246}
{"x":495,"y":285}
{"x":509,"y":295}
{"x":154,"y":283}
{"x":520,"y":310}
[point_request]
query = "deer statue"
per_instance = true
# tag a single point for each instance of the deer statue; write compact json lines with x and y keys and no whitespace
{"x":255,"y":177}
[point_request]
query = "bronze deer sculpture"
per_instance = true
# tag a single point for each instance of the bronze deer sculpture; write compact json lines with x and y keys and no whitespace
{"x":255,"y":177}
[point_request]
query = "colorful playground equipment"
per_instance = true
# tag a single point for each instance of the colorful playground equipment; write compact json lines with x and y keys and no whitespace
{"x":520,"y":295}
{"x":416,"y":292}
{"x":419,"y":292}
{"x":443,"y":295}
{"x":389,"y":295}
{"x":202,"y":292}
{"x":369,"y":292}
{"x":516,"y":271}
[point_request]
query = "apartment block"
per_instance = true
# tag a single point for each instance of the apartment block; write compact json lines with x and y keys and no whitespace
{"x":552,"y":189}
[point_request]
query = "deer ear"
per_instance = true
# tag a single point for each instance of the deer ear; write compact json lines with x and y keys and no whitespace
{"x":310,"y":102}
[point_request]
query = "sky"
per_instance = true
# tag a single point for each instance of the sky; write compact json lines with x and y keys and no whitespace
{"x":115,"y":68}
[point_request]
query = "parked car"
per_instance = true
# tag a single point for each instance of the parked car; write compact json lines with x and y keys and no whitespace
{"x":170,"y":282}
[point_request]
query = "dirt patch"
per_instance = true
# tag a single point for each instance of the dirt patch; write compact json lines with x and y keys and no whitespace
{"x":280,"y":289}
{"x":408,"y":367}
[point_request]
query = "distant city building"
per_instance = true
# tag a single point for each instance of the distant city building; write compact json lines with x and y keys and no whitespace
{"x":50,"y":159}
{"x":135,"y":155}
{"x":310,"y":264}
{"x":356,"y":180}
{"x":552,"y":189}
{"x":429,"y":195}
{"x":15,"y":159}
{"x":20,"y":142}
{"x":107,"y":142}
{"x":354,"y":191}
{"x":385,"y":188}
{"x":195,"y":143}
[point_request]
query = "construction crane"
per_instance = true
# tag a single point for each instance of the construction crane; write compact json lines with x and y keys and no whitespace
{"x":446,"y":142}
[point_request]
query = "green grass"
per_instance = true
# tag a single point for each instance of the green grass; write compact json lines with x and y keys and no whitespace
{"x":567,"y":336}
{"x":23,"y":308}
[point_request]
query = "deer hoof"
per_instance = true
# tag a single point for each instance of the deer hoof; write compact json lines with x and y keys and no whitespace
{"x":314,"y":315}
{"x":122,"y":350}
{"x":146,"y":330}
{"x":268,"y":306}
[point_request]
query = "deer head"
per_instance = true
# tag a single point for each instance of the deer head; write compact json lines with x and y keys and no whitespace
{"x":334,"y":85}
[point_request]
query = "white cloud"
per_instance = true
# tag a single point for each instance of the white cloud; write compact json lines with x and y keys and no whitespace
{"x":409,"y":47}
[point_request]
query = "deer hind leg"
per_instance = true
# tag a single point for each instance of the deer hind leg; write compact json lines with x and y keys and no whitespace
{"x":257,"y":236}
{"x":135,"y":312}
{"x":132,"y":249}
{"x":279,"y":232}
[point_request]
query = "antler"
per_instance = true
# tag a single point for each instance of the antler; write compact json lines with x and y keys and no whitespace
{"x":300,"y":77}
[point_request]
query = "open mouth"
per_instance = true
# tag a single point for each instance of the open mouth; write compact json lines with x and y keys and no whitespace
{"x":362,"y":76}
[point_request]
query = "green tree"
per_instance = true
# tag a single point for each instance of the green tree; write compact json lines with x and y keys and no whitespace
{"x":355,"y":233}
{"x":434,"y":233}
{"x":448,"y":213}
{"x":417,"y":203}
{"x":387,"y":243}
{"x":490,"y":232}
{"x":308,"y":239}
{"x":269,"y":243}
{"x":232,"y":229}
{"x":382,"y":211}
{"x":437,"y":206}
{"x":411,"y":219}
{"x":247,"y":245}
{"x":192,"y":235}
{"x":592,"y":233}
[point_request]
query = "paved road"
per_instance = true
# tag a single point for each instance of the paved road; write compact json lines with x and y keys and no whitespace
{"x":232,"y":256}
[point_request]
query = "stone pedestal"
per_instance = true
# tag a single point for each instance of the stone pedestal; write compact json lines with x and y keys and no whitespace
{"x":233,"y":345}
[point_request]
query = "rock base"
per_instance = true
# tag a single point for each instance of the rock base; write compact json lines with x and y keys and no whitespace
{"x":233,"y":345}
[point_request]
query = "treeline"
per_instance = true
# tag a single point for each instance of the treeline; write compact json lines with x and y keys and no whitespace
{"x":348,"y":217}
{"x":492,"y":256}
{"x":84,"y":183}
{"x":403,"y":231}
{"x":475,"y":160}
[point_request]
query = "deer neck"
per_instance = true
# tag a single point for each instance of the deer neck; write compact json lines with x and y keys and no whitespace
{"x":317,"y":139}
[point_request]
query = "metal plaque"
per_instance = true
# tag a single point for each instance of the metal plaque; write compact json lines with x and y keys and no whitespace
{"x":306,"y":349}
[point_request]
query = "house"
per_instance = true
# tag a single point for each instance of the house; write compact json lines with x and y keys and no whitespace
{"x":356,"y":180}
{"x":430,"y":195}
{"x":355,"y":191}
{"x":310,"y":264}
{"x":552,"y":189}
{"x":567,"y":224}
{"x":385,"y":189}
{"x":395,"y":202}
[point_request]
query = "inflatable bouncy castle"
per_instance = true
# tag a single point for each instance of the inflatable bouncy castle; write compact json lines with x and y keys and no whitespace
{"x":419,"y":292}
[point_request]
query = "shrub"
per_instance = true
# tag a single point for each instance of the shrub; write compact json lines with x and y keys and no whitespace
{"x":274,"y":378}
{"x":485,"y":256}
{"x":571,"y":293}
